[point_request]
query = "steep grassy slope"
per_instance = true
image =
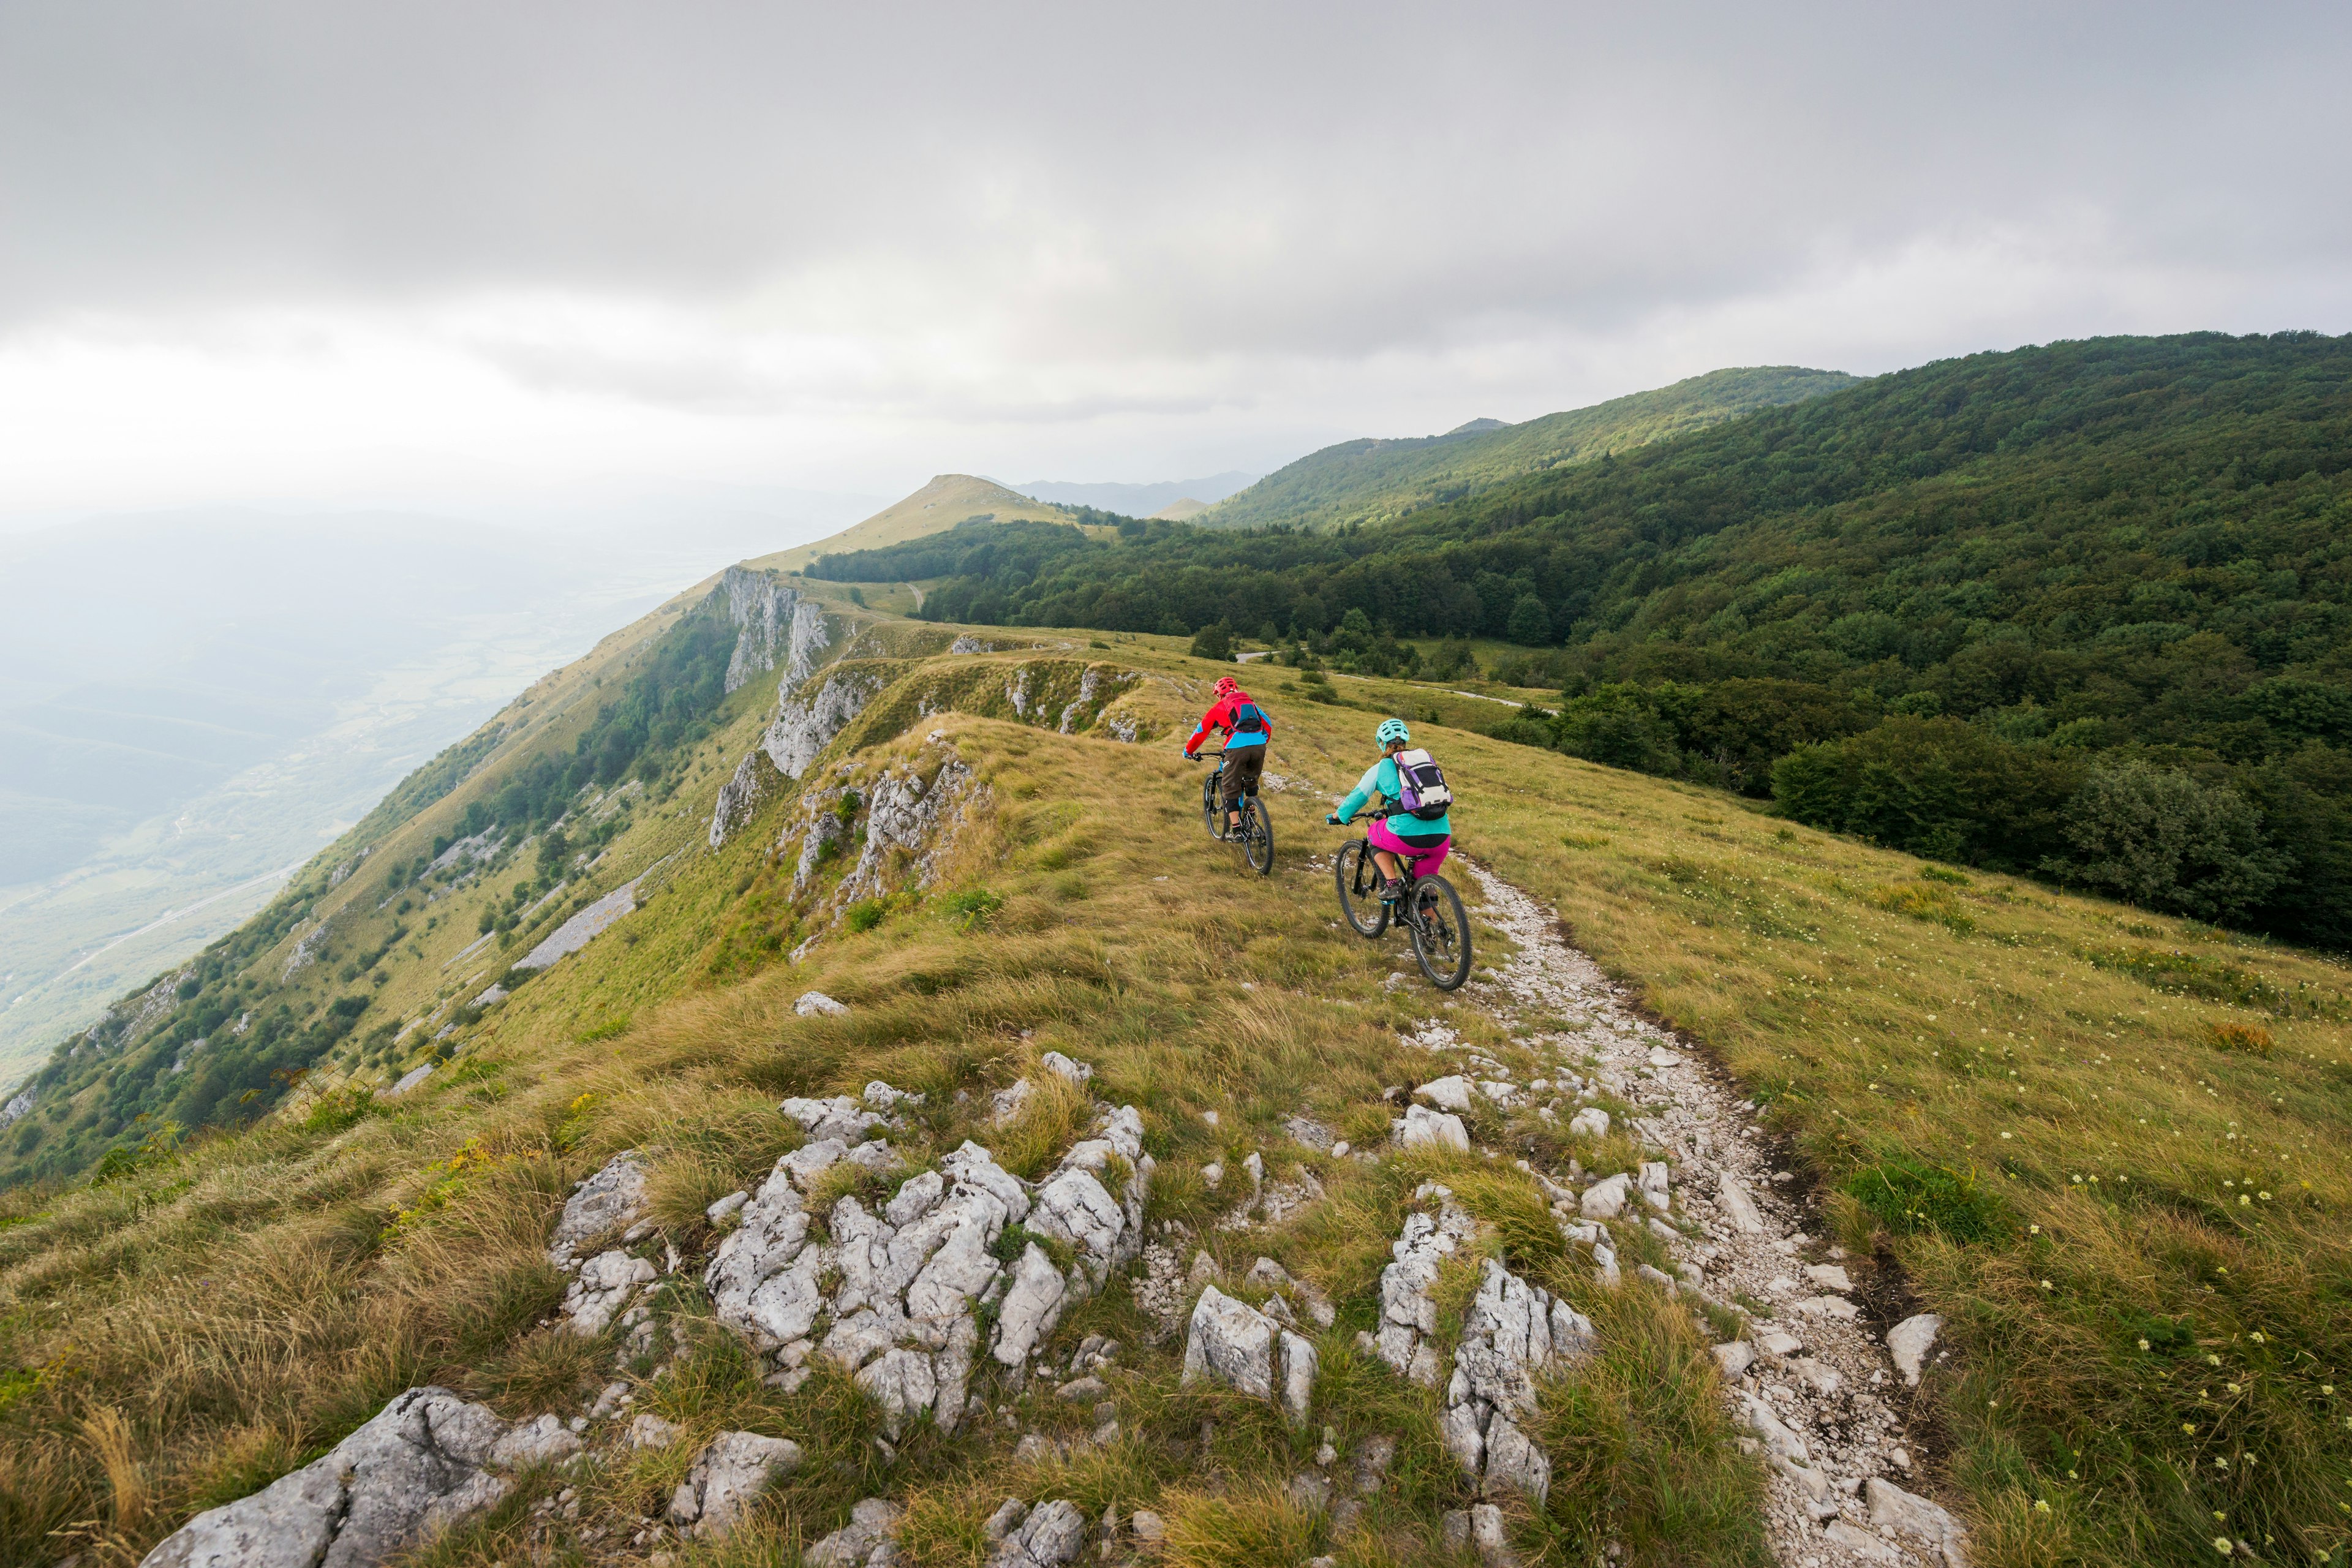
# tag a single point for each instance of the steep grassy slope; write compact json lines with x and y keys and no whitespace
{"x":2107,"y":1146}
{"x":947,"y":500}
{"x":1374,"y":480}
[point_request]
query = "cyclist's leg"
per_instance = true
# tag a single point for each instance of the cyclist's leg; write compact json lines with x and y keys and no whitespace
{"x":1241,"y":771}
{"x":1388,"y":849}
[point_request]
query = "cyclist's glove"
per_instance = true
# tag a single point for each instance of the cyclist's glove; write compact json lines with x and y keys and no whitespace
{"x":1334,"y":819}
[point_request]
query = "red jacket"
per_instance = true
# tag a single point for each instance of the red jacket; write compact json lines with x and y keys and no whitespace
{"x":1221,"y":717}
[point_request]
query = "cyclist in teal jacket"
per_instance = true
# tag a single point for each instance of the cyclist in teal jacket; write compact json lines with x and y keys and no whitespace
{"x":1425,"y":841}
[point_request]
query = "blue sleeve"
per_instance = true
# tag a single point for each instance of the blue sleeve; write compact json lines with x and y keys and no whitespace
{"x":1373,"y":779}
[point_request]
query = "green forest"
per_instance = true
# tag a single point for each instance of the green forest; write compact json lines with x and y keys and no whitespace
{"x":2078,"y":610}
{"x":1368,"y":480}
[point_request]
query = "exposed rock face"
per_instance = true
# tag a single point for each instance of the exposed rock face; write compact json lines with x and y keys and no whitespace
{"x":1513,"y":1331}
{"x":728,"y":1477}
{"x":1452,"y":1093}
{"x":904,"y":1284}
{"x":1893,"y":1507}
{"x":1074,"y":1205}
{"x":739,"y":797}
{"x":864,"y":1542}
{"x":606,"y":1284}
{"x":904,"y":812}
{"x":422,"y":1464}
{"x":1408,"y":1312}
{"x":1051,"y":1534}
{"x":582,"y":928}
{"x":1232,"y":1342}
{"x":776,"y":625}
{"x":612,"y":1200}
{"x":805,"y":725}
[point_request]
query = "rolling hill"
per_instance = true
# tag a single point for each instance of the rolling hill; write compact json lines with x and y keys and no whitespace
{"x":947,"y":500}
{"x":1373,"y":480}
{"x":1993,"y":609}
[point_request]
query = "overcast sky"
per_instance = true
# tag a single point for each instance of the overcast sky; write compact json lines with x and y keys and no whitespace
{"x":484,"y":257}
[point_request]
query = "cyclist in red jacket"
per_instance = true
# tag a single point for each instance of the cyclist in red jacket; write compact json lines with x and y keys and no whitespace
{"x":1246,"y":730}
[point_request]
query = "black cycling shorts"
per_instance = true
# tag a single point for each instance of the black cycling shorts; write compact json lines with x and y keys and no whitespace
{"x":1241,"y":774}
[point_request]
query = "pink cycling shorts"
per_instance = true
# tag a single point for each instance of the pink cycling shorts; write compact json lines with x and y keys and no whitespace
{"x":1425,"y":857}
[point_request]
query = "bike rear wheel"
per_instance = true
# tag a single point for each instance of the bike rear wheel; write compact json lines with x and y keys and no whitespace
{"x":1359,"y":879}
{"x":1258,"y":836}
{"x":1441,"y":934}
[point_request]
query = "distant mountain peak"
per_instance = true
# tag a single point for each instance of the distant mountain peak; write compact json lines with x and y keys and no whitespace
{"x":1478,"y":426}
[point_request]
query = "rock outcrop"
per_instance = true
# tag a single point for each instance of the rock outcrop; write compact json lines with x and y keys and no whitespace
{"x":728,"y":1477}
{"x":610,"y":1202}
{"x":905,"y":813}
{"x":741,"y":797}
{"x":1513,"y":1331}
{"x":806,"y":724}
{"x":866,"y":1542}
{"x":1232,"y":1342}
{"x":1047,"y":1536}
{"x":774,"y":626}
{"x":425,"y":1462}
{"x":1408,"y":1311}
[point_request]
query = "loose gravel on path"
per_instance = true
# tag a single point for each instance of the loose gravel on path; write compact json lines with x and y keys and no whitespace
{"x":1821,"y":1396}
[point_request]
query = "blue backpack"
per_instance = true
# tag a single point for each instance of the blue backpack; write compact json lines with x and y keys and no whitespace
{"x":1249,"y":719}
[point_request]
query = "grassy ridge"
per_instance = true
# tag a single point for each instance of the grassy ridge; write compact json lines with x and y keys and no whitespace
{"x":210,"y":1321}
{"x":1373,"y":480}
{"x":2074,"y":1127}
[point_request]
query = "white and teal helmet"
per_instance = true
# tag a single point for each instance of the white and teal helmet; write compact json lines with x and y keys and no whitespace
{"x":1392,"y":730}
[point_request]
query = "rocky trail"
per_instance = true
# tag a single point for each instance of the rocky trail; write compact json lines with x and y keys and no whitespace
{"x":1822,"y":1391}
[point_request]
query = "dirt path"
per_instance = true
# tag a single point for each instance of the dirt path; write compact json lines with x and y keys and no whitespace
{"x":1813,"y":1383}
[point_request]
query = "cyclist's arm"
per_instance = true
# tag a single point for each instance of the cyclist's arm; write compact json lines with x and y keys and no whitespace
{"x":1200,"y":732}
{"x":1361,"y":794}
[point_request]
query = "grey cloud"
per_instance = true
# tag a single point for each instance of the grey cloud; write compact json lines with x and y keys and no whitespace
{"x":1093,"y":184}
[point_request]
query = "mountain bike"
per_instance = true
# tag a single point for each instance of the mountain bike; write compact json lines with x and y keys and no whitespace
{"x":1429,"y":909}
{"x":1256,"y":834}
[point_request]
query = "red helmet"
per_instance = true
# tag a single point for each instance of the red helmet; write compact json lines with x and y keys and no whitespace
{"x":1227,"y":686}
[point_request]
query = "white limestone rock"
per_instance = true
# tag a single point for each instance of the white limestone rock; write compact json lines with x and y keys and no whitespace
{"x":805,"y":725}
{"x":1435,"y":1128}
{"x":1232,"y":1342}
{"x":1079,"y":1073}
{"x":1892,"y":1508}
{"x":545,"y":1440}
{"x":612,"y":1200}
{"x":1606,"y":1200}
{"x":1408,"y":1313}
{"x":816,"y":1004}
{"x":606,"y":1285}
{"x":1053,"y":1534}
{"x":1032,"y":1306}
{"x":728,"y":1477}
{"x":739,"y":797}
{"x":864,"y":1542}
{"x":1452,"y":1093}
{"x":1590,"y":1122}
{"x":1512,"y":1332}
{"x":1909,"y":1342}
{"x":1737,"y":1207}
{"x":415,"y":1468}
{"x":840,"y":1117}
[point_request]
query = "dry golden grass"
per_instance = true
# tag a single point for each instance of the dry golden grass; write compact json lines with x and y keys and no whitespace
{"x":1950,"y":1057}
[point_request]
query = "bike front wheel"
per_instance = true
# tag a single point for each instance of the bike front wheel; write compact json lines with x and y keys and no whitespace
{"x":1358,"y":879}
{"x":1212,"y":810}
{"x":1258,"y":836}
{"x":1441,"y":934}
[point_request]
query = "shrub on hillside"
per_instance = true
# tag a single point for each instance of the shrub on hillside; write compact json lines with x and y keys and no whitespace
{"x":1214,"y":641}
{"x":1938,"y":787}
{"x":2157,"y":837}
